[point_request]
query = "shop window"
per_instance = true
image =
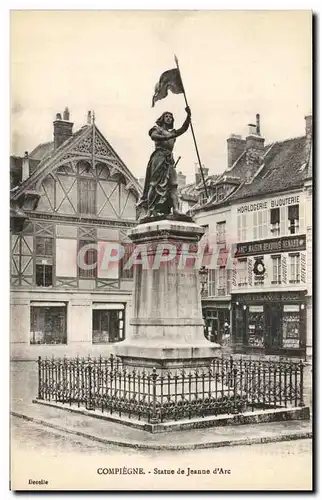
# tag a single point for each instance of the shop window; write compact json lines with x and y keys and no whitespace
{"x":108,"y":325}
{"x":87,"y":196}
{"x":221,"y":232}
{"x":89,"y":258}
{"x":242,"y":272}
{"x":293,"y":219}
{"x":291,"y":326}
{"x":275,"y":221}
{"x":294,"y":264}
{"x":276,"y":260}
{"x":48,"y":324}
{"x":256,"y":326}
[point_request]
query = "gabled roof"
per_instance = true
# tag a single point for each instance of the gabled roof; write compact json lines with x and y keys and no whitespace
{"x":78,"y":145}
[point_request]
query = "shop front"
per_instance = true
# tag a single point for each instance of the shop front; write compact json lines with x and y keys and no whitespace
{"x":269,"y":323}
{"x":217,"y":320}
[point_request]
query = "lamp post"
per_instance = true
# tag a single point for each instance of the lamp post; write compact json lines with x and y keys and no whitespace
{"x":203,"y":281}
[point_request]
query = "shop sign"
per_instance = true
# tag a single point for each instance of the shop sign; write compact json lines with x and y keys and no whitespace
{"x":249,"y":298}
{"x":285,"y":244}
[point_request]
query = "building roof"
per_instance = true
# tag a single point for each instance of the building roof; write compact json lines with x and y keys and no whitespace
{"x":52,"y":158}
{"x":16,"y":169}
{"x":188,"y":192}
{"x":41,"y":150}
{"x":284,"y":168}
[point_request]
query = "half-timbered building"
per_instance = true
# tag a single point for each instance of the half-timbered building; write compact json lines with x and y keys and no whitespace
{"x":68,"y":194}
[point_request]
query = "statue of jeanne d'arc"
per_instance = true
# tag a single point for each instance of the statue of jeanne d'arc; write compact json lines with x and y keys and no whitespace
{"x":160,"y":193}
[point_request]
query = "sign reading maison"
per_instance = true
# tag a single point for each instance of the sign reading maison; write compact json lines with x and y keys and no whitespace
{"x":262,"y":205}
{"x":286,"y":244}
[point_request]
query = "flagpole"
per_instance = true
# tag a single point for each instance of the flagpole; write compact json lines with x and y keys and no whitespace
{"x":191,"y":126}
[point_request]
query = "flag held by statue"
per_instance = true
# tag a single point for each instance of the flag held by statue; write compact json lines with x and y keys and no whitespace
{"x":169,"y":80}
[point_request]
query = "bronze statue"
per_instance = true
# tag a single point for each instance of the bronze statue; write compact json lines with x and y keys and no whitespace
{"x":160,"y":193}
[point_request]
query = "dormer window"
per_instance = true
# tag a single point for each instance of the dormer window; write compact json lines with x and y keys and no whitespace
{"x":202,"y":198}
{"x":220,"y":193}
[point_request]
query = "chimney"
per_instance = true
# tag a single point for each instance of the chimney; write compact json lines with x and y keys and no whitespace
{"x":254,"y":140}
{"x":63,"y":129}
{"x":25,"y":167}
{"x":235,"y":147}
{"x":182,"y":180}
{"x":205,"y":171}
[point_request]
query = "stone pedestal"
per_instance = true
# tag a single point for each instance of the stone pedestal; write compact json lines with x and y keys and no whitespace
{"x":167,"y":323}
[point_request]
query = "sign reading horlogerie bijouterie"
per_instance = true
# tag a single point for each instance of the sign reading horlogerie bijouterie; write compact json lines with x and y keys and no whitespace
{"x":262,"y":205}
{"x":285,"y":244}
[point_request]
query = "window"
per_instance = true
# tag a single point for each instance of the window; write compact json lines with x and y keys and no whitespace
{"x":48,"y":324}
{"x":202,"y":198}
{"x":108,"y":324}
{"x":293,"y":219}
{"x":291,"y":326}
{"x":90,"y":258}
{"x":276,"y":259}
{"x":222,"y":282}
{"x":212,"y":283}
{"x":242,"y":227}
{"x":126,"y":273}
{"x":242,"y":272}
{"x":220,"y":193}
{"x":275,"y":221}
{"x":44,"y":261}
{"x":221,"y":232}
{"x":44,"y":275}
{"x":86,"y":196}
{"x":294,"y":268}
{"x":256,"y":326}
{"x":44,"y":247}
{"x":260,"y":224}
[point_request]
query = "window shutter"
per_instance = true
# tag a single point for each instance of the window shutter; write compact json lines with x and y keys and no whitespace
{"x":239,"y":227}
{"x":303,"y":267}
{"x":302,"y":217}
{"x":250,"y":270}
{"x":283,"y":214}
{"x":264,"y":222}
{"x":284,"y":269}
{"x":234,"y":276}
{"x":66,"y":257}
{"x":255,"y":225}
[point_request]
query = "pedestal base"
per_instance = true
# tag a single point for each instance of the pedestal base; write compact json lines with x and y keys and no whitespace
{"x":166,"y":356}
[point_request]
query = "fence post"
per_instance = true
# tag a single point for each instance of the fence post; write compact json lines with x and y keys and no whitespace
{"x":301,"y":383}
{"x":89,"y":402}
{"x":39,"y":379}
{"x":154,"y":417}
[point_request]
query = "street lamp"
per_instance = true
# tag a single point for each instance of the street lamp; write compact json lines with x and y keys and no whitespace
{"x":203,"y":272}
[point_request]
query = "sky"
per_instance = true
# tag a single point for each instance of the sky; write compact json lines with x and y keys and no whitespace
{"x":234,"y":64}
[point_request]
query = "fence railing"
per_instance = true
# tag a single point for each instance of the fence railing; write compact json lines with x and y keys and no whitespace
{"x":223,"y":386}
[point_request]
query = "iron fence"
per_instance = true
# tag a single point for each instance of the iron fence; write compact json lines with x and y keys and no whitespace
{"x":223,"y":386}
